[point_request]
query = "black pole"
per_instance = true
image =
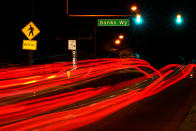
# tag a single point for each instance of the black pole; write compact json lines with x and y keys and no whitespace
{"x":32,"y":10}
{"x":95,"y":39}
{"x":30,"y":52}
{"x":30,"y":57}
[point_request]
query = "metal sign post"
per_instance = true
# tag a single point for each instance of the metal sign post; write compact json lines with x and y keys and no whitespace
{"x":72,"y":46}
{"x":74,"y":54}
{"x":30,"y":31}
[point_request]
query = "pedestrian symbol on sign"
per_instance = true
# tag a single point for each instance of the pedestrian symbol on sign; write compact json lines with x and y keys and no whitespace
{"x":31,"y":30}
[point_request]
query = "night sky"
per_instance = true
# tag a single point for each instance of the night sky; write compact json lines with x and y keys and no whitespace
{"x":158,"y":40}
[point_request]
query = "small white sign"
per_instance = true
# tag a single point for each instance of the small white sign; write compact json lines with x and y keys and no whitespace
{"x":71,"y":44}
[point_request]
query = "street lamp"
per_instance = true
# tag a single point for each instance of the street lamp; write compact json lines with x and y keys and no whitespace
{"x":121,"y":36}
{"x":117,"y":42}
{"x":134,"y":8}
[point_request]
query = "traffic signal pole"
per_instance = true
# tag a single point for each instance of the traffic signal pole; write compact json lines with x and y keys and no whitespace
{"x":93,"y":16}
{"x":67,"y":7}
{"x":95,"y":40}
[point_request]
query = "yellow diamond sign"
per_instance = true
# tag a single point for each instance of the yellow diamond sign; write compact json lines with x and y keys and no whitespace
{"x":29,"y":45}
{"x":30,"y":30}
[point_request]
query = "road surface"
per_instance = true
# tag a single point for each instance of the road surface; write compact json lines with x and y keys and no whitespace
{"x":162,"y":112}
{"x":59,"y":97}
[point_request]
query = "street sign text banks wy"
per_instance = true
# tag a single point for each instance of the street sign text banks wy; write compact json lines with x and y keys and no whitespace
{"x":113,"y":22}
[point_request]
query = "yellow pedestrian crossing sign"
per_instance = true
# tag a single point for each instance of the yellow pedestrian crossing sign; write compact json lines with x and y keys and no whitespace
{"x":30,"y":30}
{"x":29,"y":45}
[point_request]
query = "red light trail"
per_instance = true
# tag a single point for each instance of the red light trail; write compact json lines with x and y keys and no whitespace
{"x":20,"y":108}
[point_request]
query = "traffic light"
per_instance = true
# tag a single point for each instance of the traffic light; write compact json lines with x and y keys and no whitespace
{"x":179,"y":19}
{"x":138,"y":19}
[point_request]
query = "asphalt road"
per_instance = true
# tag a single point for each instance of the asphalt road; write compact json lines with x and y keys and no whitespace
{"x":99,"y":95}
{"x":162,"y":112}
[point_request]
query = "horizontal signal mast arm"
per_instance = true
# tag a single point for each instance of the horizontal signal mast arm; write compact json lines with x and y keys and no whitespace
{"x":99,"y":15}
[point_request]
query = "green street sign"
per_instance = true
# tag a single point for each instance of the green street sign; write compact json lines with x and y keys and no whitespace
{"x":113,"y":22}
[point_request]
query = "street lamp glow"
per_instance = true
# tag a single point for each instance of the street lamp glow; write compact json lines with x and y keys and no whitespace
{"x":121,"y":37}
{"x":134,"y":8}
{"x":117,"y":42}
